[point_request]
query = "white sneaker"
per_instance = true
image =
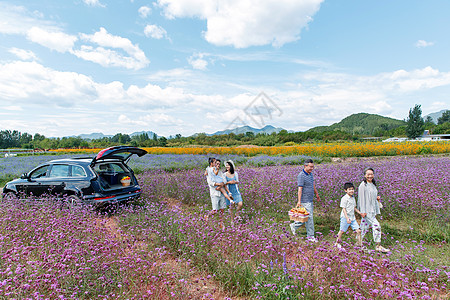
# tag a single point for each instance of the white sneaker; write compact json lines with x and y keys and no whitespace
{"x":380,"y":248}
{"x":337,"y":245}
{"x":292,"y":228}
{"x":312,"y":239}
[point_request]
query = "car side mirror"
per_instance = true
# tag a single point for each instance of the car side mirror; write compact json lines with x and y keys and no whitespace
{"x":24,"y":176}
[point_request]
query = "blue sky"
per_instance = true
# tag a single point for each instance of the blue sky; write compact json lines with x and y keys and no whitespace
{"x":186,"y":66}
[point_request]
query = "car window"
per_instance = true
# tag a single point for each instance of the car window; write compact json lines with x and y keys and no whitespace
{"x":110,"y":168}
{"x":40,"y":172}
{"x":59,"y":171}
{"x":118,"y":168}
{"x":78,"y":171}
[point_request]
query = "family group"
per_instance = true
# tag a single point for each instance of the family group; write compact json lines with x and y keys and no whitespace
{"x":224,"y":192}
{"x":368,"y":207}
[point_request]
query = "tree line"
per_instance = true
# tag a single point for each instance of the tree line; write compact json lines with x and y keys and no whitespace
{"x":415,"y":126}
{"x":14,"y":139}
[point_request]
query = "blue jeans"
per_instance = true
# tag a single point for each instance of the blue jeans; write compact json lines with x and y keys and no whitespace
{"x":309,"y":223}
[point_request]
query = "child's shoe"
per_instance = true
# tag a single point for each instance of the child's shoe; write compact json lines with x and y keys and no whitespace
{"x":337,"y":245}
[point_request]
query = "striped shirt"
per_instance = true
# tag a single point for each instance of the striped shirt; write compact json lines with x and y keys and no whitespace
{"x":306,"y":181}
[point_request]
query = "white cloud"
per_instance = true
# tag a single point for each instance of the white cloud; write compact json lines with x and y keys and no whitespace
{"x":423,"y":44}
{"x":23,"y":54}
{"x":170,"y":75}
{"x":197,"y":61}
{"x":437,"y":106}
{"x":57,"y":41}
{"x":144,"y":11}
{"x":419,"y":79}
{"x":155,"y":31}
{"x":151,"y":120}
{"x":94,"y":3}
{"x":321,"y":99}
{"x":30,"y":81}
{"x":18,"y":20}
{"x":245,"y":23}
{"x":13,"y":108}
{"x":136,"y":58}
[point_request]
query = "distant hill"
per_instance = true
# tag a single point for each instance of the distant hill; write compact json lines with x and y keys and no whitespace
{"x":93,"y":136}
{"x":435,"y":116}
{"x":362,"y":123}
{"x":99,"y":135}
{"x":268,"y":129}
{"x":149,"y":133}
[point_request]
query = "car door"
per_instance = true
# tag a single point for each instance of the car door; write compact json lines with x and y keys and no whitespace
{"x":57,"y":179}
{"x":36,"y":183}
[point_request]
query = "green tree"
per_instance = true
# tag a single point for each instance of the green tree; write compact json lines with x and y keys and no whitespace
{"x":429,"y":120}
{"x":444,"y":118}
{"x":120,"y":138}
{"x":442,"y":129}
{"x":415,"y":124}
{"x":162,"y":141}
{"x":249,"y":134}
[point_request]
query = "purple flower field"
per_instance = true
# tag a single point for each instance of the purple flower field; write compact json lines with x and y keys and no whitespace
{"x":163,"y":248}
{"x":408,"y":186}
{"x":11,"y":167}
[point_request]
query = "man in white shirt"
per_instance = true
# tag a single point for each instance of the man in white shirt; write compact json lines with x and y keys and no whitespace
{"x":217,"y":198}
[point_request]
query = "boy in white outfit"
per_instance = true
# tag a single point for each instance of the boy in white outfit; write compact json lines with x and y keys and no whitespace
{"x":348,"y":204}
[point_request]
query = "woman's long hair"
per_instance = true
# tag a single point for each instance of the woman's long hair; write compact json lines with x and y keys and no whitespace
{"x":365,"y":180}
{"x":231,"y":166}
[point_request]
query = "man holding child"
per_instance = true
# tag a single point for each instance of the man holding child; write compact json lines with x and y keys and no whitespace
{"x":217,"y":197}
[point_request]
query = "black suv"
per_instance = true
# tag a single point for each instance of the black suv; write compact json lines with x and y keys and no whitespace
{"x":97,"y":181}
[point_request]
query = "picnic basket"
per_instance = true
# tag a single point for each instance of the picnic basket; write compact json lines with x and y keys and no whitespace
{"x":299,"y":214}
{"x":125,"y":181}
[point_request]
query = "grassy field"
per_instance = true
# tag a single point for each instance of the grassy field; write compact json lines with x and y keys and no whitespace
{"x":163,"y":248}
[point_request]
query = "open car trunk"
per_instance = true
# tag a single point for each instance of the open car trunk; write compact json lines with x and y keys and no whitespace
{"x":113,"y":175}
{"x":122,"y":153}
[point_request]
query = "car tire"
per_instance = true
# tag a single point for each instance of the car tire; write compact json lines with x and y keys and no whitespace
{"x":10,"y":196}
{"x":73,"y":201}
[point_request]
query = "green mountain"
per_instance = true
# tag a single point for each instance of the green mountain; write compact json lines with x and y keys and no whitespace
{"x":362,"y":123}
{"x":435,"y":116}
{"x":268,"y":129}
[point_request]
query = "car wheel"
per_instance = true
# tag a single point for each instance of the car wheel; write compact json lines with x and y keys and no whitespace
{"x":73,"y":201}
{"x":10,"y":196}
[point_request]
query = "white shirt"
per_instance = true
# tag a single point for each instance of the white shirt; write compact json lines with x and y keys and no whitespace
{"x":349,"y":203}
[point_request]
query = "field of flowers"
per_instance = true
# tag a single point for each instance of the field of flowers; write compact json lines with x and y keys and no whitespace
{"x":13,"y":167}
{"x":163,"y":248}
{"x":348,"y":149}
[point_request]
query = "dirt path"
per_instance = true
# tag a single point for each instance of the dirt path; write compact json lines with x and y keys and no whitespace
{"x":198,"y":285}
